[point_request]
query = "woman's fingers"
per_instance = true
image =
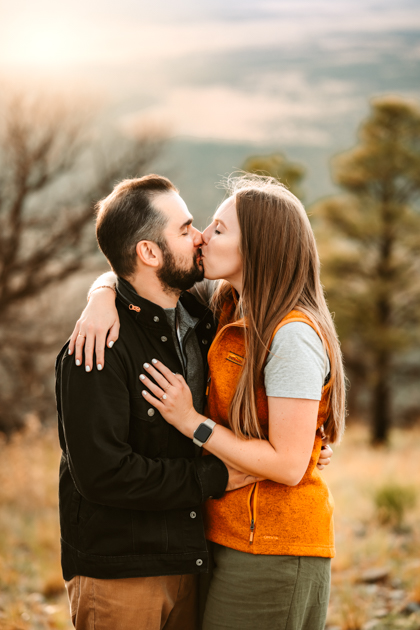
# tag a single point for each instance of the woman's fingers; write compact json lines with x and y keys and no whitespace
{"x":155,"y":389}
{"x":325,"y":454}
{"x":100,"y":348}
{"x":101,"y":340}
{"x":154,"y":401}
{"x":85,"y":343}
{"x":91,"y":332}
{"x":80,"y":342}
{"x":324,"y":457}
{"x":161,"y":374}
{"x":73,"y":337}
{"x":89,"y":348}
{"x":114,"y":333}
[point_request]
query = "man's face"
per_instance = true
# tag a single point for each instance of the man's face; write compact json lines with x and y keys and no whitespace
{"x":181,"y":265}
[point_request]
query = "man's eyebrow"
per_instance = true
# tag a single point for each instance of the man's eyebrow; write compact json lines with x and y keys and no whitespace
{"x":184,"y":225}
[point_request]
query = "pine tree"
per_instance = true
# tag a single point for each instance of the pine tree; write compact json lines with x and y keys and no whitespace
{"x":369,"y":239}
{"x":278,"y":166}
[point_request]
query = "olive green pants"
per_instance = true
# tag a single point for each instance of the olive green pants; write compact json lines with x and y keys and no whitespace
{"x":267,"y":592}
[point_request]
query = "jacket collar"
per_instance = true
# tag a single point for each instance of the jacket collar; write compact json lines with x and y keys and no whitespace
{"x":147,"y":312}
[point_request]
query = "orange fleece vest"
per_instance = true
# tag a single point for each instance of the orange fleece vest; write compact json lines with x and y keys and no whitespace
{"x":267,"y":517}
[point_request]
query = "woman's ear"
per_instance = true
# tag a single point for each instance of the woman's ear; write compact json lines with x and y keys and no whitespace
{"x":149,"y":253}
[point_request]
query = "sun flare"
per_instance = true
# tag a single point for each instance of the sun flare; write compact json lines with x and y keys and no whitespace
{"x":40,"y":44}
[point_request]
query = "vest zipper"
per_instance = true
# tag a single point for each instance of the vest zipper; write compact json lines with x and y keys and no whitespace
{"x":252,"y":510}
{"x":208,"y":385}
{"x":251,"y":535}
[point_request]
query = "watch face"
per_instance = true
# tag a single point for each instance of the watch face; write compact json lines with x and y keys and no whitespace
{"x":202,"y":433}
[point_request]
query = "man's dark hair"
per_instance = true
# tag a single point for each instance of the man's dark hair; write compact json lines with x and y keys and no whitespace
{"x":128,"y":216}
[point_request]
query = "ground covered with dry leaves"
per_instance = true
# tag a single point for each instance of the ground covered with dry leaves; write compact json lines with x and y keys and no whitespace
{"x":376,"y":573}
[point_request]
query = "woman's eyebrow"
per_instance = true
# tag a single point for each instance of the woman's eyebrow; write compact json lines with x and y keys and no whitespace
{"x":221,"y":222}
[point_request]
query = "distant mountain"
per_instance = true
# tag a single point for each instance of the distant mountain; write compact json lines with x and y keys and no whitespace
{"x":197,"y":167}
{"x":304,"y":97}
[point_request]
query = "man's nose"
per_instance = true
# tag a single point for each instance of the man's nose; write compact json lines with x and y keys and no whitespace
{"x":197,"y":238}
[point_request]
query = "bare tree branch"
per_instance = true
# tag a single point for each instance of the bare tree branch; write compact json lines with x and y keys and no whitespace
{"x":52,"y":171}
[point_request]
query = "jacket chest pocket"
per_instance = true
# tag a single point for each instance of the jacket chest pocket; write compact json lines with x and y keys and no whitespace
{"x":148,"y":430}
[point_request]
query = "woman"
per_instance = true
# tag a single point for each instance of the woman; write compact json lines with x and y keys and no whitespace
{"x":276,"y":378}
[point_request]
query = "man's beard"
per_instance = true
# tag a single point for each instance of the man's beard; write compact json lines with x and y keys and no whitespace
{"x":173,"y":277}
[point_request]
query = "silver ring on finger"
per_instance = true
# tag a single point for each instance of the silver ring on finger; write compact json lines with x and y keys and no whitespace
{"x":164,"y":397}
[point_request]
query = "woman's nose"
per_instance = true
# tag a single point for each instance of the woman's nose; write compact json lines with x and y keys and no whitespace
{"x":205,"y":235}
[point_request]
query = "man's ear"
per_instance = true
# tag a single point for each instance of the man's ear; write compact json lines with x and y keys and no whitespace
{"x":149,"y":253}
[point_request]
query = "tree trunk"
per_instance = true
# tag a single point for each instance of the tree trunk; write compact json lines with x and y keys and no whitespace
{"x":381,"y":402}
{"x":381,"y":412}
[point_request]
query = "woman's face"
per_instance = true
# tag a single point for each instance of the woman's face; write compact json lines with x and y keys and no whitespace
{"x":222,"y":259}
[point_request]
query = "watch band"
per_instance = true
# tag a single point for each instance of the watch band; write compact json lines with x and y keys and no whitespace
{"x":203,"y":432}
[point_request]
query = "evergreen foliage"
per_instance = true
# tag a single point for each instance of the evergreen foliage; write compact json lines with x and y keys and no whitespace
{"x":369,"y":240}
{"x":278,"y":166}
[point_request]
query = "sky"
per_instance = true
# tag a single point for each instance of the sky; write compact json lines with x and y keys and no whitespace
{"x":80,"y":32}
{"x":224,"y":78}
{"x":250,"y":70}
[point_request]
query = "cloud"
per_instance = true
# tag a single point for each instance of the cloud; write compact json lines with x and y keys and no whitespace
{"x":207,"y":72}
{"x":119,"y":33}
{"x":291,"y":112}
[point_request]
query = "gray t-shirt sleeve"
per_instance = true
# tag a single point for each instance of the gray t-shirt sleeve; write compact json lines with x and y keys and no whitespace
{"x":296,"y":365}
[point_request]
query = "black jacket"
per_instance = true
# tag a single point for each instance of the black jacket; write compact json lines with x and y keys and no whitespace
{"x":131,"y":485}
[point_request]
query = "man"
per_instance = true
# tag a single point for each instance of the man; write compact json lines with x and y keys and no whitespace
{"x":132,"y":486}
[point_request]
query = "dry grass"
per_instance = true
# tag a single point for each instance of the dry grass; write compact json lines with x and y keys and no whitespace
{"x":32,"y":591}
{"x":31,"y":587}
{"x":363,"y":544}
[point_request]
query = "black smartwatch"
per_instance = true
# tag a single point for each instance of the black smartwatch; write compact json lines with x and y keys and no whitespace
{"x":203,"y":432}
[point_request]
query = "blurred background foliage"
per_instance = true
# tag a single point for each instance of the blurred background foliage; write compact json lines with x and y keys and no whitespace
{"x":370,"y":250}
{"x":54,"y":166}
{"x":278,"y":166}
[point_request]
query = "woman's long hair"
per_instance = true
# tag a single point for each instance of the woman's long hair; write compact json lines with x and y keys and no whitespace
{"x":281,"y":272}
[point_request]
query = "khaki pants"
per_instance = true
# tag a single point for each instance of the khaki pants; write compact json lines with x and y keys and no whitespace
{"x":144,"y":603}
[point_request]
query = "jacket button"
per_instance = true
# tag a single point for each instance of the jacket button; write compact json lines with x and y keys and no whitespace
{"x":151,"y":412}
{"x":163,"y":338}
{"x":204,"y":342}
{"x":193,"y":514}
{"x":208,"y":326}
{"x":156,"y":318}
{"x":199,"y":562}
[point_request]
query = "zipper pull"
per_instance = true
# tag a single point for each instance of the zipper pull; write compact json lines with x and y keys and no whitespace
{"x":251,"y":534}
{"x":132,"y":307}
{"x":208,"y":385}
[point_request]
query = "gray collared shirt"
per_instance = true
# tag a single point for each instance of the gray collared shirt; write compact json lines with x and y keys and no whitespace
{"x":182,"y":325}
